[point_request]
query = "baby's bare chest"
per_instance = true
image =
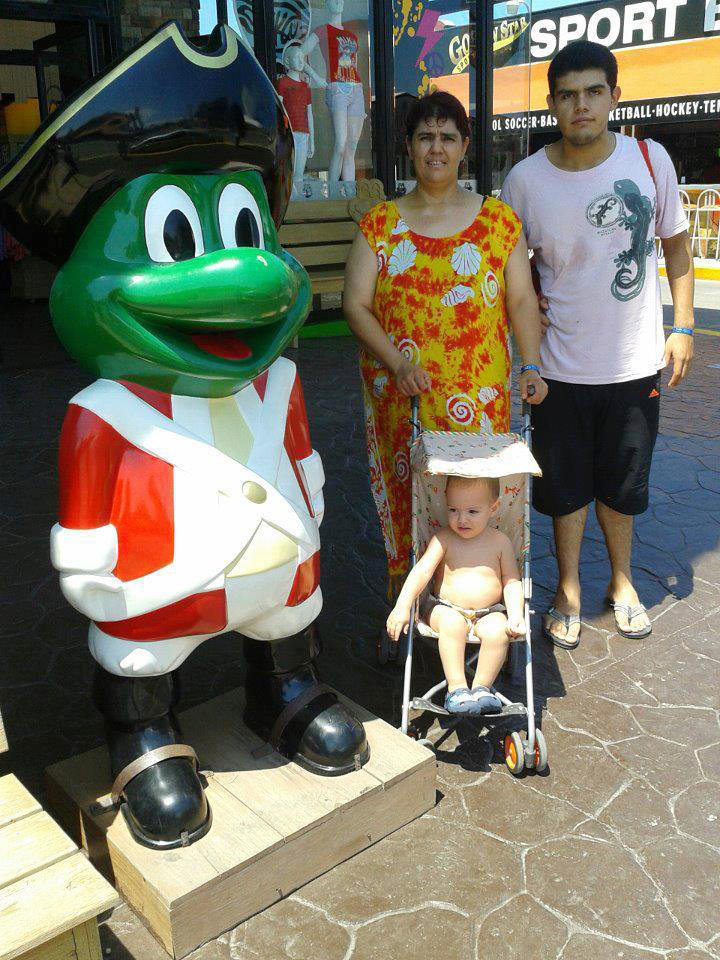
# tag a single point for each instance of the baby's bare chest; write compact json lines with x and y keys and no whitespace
{"x":479,"y":559}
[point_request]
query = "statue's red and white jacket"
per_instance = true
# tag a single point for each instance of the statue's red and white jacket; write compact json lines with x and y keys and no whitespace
{"x":182,"y":517}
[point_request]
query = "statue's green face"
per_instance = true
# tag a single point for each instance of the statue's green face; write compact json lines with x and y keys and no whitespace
{"x":179,"y":284}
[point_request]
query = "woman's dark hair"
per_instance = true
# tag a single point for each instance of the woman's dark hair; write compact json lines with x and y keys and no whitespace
{"x":582,"y":55}
{"x":437,"y":106}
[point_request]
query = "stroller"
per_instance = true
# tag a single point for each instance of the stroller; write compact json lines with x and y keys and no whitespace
{"x":434,"y":457}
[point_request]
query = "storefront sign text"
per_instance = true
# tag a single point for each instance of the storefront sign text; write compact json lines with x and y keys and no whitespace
{"x":648,"y":111}
{"x":620,"y":24}
{"x":459,"y":51}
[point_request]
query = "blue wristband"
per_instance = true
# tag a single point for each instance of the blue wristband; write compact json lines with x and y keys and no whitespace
{"x":688,"y":331}
{"x":526,"y":367}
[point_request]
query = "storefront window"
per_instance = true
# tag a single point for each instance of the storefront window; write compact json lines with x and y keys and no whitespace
{"x":43,"y":63}
{"x":238,"y":15}
{"x":324,"y":70}
{"x":511,"y":87}
{"x":433,"y":46}
{"x":324,"y":79}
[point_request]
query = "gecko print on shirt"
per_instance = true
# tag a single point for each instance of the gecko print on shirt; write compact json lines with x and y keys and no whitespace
{"x":631,"y":210}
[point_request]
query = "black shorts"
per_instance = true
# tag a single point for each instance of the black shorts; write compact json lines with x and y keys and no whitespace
{"x":595,"y":442}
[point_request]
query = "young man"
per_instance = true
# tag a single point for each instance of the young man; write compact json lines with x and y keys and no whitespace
{"x":591,"y":206}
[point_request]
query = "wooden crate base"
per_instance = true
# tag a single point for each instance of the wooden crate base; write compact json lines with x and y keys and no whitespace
{"x":50,"y":895}
{"x":81,"y":943}
{"x":275,"y":826}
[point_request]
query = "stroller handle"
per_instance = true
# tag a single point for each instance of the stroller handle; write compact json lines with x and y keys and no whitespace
{"x":415,"y":417}
{"x":526,"y":405}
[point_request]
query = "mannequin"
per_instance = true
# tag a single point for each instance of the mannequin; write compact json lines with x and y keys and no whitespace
{"x":294,"y":92}
{"x":344,"y":93}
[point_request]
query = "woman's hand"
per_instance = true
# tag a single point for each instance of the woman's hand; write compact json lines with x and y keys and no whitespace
{"x":531,"y":378}
{"x":398,"y":621}
{"x":411,"y":379}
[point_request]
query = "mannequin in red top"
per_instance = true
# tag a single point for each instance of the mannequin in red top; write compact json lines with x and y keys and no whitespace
{"x":294,"y":91}
{"x":344,"y":92}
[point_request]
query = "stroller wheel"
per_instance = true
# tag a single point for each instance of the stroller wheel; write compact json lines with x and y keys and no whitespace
{"x":514,"y":753}
{"x":541,"y":757}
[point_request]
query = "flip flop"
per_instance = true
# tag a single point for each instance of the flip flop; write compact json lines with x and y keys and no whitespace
{"x":567,"y":620}
{"x":631,"y":611}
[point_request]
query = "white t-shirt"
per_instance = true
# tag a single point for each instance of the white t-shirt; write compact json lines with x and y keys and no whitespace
{"x":593,"y":234}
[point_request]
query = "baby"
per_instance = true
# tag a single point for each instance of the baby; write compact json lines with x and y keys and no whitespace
{"x":472,"y":567}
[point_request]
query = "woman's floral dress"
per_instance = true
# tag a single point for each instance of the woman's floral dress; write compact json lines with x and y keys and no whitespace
{"x":442,"y":303}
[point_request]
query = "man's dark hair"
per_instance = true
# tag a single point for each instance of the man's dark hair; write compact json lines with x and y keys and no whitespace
{"x":582,"y":55}
{"x":437,"y":106}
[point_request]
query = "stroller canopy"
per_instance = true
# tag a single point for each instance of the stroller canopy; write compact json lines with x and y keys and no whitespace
{"x":435,"y":456}
{"x":472,"y":455}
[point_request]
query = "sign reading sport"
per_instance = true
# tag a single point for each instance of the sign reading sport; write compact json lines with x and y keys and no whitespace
{"x":668,"y":52}
{"x":621,"y":25}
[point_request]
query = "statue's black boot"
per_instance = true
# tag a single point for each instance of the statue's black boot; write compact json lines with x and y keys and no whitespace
{"x":155,"y":774}
{"x":289,"y":707}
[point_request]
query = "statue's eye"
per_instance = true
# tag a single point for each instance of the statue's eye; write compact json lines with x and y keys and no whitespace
{"x":247,"y":231}
{"x":239,"y":218}
{"x":178,"y":236}
{"x":172,"y":226}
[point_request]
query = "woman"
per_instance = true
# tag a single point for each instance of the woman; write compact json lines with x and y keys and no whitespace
{"x":430,"y":283}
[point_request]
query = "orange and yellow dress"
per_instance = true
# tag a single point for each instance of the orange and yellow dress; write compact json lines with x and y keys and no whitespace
{"x":442,"y":303}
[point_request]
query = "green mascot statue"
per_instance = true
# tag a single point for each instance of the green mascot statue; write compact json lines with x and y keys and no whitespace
{"x":190,"y":494}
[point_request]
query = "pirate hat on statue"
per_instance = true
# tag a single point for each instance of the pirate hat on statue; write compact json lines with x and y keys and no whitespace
{"x":212,"y":109}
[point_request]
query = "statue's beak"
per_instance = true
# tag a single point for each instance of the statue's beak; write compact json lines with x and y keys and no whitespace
{"x":224,"y":290}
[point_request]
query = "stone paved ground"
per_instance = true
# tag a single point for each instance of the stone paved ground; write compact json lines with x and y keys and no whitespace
{"x":614,"y":853}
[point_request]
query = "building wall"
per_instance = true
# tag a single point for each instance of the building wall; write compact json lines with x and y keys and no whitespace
{"x":138,"y":18}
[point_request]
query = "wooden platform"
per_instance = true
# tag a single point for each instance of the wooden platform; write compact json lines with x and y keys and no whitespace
{"x":275,"y":826}
{"x":50,"y":895}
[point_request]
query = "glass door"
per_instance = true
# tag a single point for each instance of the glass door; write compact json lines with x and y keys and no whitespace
{"x":511,"y":120}
{"x":434,"y":49}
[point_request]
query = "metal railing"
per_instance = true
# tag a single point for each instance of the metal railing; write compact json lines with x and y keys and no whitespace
{"x":703,"y":214}
{"x":704,"y":220}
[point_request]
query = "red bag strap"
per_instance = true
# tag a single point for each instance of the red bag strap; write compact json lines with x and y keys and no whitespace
{"x":646,"y":156}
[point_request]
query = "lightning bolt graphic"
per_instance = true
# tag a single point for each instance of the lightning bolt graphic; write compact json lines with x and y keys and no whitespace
{"x":426,"y":29}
